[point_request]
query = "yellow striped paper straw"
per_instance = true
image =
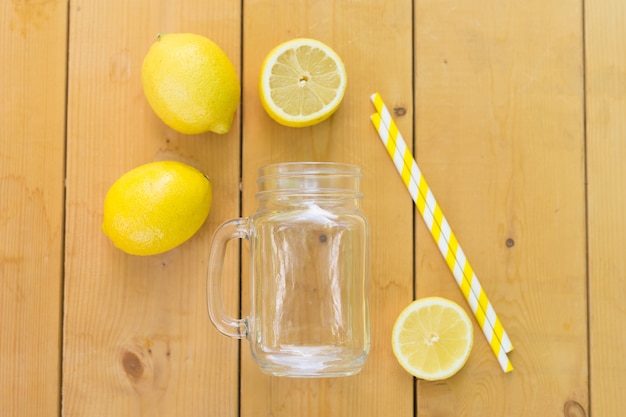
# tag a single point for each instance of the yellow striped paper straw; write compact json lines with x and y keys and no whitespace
{"x":435,"y":215}
{"x":445,"y":249}
{"x":442,"y":234}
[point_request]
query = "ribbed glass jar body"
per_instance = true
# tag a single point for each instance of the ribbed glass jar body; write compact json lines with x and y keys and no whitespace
{"x":309,"y":250}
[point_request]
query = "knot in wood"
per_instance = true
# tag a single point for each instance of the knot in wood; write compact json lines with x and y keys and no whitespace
{"x":573,"y":409}
{"x":132,"y":365}
{"x":399,"y":111}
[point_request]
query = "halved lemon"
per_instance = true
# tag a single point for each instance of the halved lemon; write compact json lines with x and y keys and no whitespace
{"x":432,"y":338}
{"x":302,"y":82}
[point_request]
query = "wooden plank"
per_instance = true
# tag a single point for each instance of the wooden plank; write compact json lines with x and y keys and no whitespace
{"x":374,"y":41}
{"x":32,"y":139}
{"x":137,"y":339}
{"x":500,"y":138}
{"x":605,"y":40}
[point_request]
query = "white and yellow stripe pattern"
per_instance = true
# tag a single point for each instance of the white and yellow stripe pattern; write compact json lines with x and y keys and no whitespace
{"x":442,"y":233}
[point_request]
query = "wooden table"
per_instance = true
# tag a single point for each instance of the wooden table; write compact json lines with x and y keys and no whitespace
{"x":516,"y":112}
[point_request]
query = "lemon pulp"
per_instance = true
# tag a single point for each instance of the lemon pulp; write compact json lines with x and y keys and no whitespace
{"x":302,"y":82}
{"x":432,"y":338}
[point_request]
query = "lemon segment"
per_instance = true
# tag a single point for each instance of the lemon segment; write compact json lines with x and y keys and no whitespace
{"x":191,"y":84}
{"x":302,"y":82}
{"x":156,"y":207}
{"x":432,"y":338}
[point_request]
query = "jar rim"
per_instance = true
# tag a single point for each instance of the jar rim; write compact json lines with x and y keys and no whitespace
{"x":308,"y":168}
{"x":310,"y":178}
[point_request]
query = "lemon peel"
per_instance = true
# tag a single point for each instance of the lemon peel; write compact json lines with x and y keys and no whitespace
{"x":190,"y":83}
{"x":156,"y":207}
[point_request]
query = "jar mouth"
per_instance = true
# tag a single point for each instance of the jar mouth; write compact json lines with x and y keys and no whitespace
{"x":308,"y":168}
{"x":310,"y":177}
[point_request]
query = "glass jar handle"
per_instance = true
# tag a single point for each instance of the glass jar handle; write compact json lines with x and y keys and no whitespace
{"x":227,"y":231}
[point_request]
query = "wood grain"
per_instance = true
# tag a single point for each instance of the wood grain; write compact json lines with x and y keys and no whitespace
{"x":500,"y":134}
{"x":605,"y":67}
{"x":137,"y":336}
{"x":32,"y":139}
{"x":501,"y":100}
{"x":374,"y":41}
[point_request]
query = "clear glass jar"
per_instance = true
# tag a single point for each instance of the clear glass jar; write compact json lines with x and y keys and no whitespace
{"x":309,"y":272}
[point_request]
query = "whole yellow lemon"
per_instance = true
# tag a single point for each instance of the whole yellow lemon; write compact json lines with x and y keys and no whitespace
{"x":191,"y":84}
{"x":156,"y":207}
